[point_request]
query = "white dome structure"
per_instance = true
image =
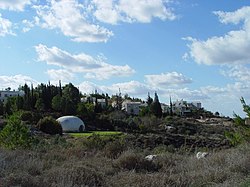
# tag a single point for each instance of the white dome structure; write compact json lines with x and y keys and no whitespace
{"x":71,"y":124}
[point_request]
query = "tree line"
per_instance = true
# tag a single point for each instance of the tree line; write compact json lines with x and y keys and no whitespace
{"x":67,"y":101}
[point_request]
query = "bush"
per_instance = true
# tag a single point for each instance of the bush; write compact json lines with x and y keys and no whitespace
{"x":94,"y":142}
{"x":15,"y":134}
{"x":49,"y":125}
{"x":75,"y":175}
{"x":115,"y":148}
{"x":132,"y":161}
{"x":26,"y":116}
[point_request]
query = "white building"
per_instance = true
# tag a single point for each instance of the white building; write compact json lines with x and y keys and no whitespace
{"x":5,"y":94}
{"x":71,"y":124}
{"x":183,"y":107}
{"x":165,"y":108}
{"x":131,"y":107}
{"x":93,"y":100}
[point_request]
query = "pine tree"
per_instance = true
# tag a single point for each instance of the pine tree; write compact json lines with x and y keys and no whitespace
{"x":155,"y":107}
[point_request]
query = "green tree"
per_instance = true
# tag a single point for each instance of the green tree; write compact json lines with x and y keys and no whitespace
{"x":86,"y":110}
{"x":1,"y":108}
{"x":15,"y":134}
{"x":155,"y":107}
{"x":149,"y":100}
{"x":241,"y":131}
{"x":7,"y":107}
{"x":27,"y":97}
{"x":71,"y":97}
{"x":57,"y":103}
{"x":40,"y":104}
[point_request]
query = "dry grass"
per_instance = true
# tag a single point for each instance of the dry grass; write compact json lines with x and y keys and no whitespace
{"x":60,"y":163}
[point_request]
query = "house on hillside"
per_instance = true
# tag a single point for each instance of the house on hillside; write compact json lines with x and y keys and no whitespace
{"x":94,"y":100}
{"x":184,"y":108}
{"x":131,"y":107}
{"x":165,"y":108}
{"x":5,"y":94}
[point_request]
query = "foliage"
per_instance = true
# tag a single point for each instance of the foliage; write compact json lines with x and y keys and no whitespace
{"x":133,"y":161}
{"x":71,"y":93}
{"x":57,"y":103}
{"x":49,"y":125}
{"x":155,"y":107}
{"x":86,"y":110}
{"x":95,"y":141}
{"x":15,"y":134}
{"x":114,"y":148}
{"x":1,"y":108}
{"x":26,"y":116}
{"x":241,"y":132}
{"x":40,"y":104}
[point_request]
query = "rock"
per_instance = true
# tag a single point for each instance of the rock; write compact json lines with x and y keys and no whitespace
{"x":150,"y":157}
{"x":201,"y":155}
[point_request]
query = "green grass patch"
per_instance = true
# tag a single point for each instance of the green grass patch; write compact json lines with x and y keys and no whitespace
{"x":100,"y":133}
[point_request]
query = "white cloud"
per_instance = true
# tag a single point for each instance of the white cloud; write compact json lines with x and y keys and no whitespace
{"x":238,"y":73}
{"x":5,"y":27}
{"x":110,"y":11}
{"x":132,"y":88}
{"x":15,"y":81}
{"x":233,"y":17}
{"x":232,"y":48}
{"x":95,"y":68}
{"x":167,"y":79}
{"x":16,"y":5}
{"x":60,"y":74}
{"x":67,"y":16}
{"x":27,"y":25}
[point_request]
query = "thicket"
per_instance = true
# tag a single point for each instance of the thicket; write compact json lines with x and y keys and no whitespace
{"x":15,"y":134}
{"x":49,"y":125}
{"x":241,"y":131}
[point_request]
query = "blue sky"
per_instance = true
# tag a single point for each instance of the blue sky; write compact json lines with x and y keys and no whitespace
{"x":192,"y":50}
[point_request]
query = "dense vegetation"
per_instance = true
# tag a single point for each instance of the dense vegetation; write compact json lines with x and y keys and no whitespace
{"x":34,"y":152}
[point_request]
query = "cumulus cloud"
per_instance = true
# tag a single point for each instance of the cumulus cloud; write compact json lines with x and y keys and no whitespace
{"x":232,"y":48}
{"x":110,"y":11}
{"x":238,"y":72}
{"x":132,"y":88}
{"x":167,"y":79}
{"x":15,"y":5}
{"x":95,"y":68}
{"x":60,"y":74}
{"x":68,"y":17}
{"x":15,"y":81}
{"x":5,"y":27}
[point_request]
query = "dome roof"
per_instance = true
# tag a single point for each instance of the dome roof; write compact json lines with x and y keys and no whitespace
{"x":71,"y":124}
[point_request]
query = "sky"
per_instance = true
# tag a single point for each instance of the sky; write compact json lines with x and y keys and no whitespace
{"x":196,"y":50}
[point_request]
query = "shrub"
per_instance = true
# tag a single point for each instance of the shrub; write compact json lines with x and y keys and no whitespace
{"x":26,"y":116}
{"x":15,"y":134}
{"x":95,"y":141}
{"x":75,"y":175}
{"x":241,"y":132}
{"x":132,"y":161}
{"x":115,"y":148}
{"x":49,"y":125}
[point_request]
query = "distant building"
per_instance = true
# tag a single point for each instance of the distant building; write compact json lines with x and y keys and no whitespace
{"x":71,"y":124}
{"x":131,"y":107}
{"x":5,"y":94}
{"x":184,"y":108}
{"x":102,"y":102}
{"x":165,"y":108}
{"x":90,"y":99}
